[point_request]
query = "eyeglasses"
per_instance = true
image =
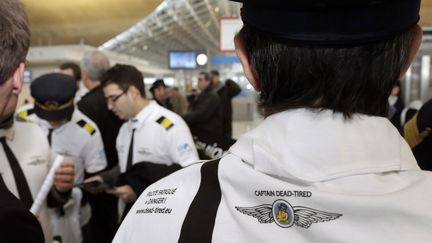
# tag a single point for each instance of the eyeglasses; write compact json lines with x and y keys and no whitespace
{"x":113,"y":99}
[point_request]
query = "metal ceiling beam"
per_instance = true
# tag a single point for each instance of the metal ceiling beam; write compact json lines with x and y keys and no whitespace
{"x":212,"y":14}
{"x":182,"y":26}
{"x":198,"y":20}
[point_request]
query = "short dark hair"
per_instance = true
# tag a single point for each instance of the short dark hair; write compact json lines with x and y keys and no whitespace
{"x":206,"y":75}
{"x":124,"y":76}
{"x":350,"y":79}
{"x":214,"y":73}
{"x":75,"y":69}
{"x":156,"y":85}
{"x":14,"y":37}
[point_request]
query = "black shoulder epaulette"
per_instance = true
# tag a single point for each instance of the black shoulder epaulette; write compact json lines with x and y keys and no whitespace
{"x":165,"y":122}
{"x":87,"y":126}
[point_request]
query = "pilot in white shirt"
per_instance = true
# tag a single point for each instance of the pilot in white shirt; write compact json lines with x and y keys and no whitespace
{"x":160,"y":137}
{"x":30,"y":147}
{"x":78,"y":141}
{"x":153,"y":143}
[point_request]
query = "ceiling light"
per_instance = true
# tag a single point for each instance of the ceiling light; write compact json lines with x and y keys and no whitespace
{"x":202,"y":59}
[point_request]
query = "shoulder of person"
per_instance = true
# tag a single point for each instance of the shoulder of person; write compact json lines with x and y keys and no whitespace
{"x":93,"y":98}
{"x":182,"y":185}
{"x":213,"y":93}
{"x":168,"y":120}
{"x":31,"y":130}
{"x":85,"y":127}
{"x":85,"y":122}
{"x":25,"y":113}
{"x":163,"y":204}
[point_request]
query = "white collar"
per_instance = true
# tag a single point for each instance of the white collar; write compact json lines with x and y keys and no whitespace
{"x":138,"y":121}
{"x":315,"y":146}
{"x":9,"y":133}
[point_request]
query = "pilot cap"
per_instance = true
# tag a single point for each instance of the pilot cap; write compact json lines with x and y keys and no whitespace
{"x":54,"y":95}
{"x":330,"y":22}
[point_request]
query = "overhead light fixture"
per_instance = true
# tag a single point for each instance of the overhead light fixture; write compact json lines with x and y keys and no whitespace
{"x":202,"y":59}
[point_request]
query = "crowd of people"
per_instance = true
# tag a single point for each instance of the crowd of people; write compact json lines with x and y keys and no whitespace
{"x":104,"y":128}
{"x":327,"y":164}
{"x":115,"y":140}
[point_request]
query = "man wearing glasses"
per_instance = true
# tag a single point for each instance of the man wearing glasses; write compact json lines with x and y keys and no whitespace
{"x":153,"y":143}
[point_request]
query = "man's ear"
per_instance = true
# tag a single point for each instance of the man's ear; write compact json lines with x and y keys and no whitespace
{"x":246,"y":64}
{"x":133,"y":92}
{"x":415,"y":45}
{"x":18,"y":79}
{"x":84,"y":75}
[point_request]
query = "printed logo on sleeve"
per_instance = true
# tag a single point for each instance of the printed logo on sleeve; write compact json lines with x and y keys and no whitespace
{"x":184,"y":149}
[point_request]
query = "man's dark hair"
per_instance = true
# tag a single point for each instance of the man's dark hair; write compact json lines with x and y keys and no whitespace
{"x":124,"y":76}
{"x":75,"y":69}
{"x":214,"y":73}
{"x":14,"y":37}
{"x":206,"y":75}
{"x":353,"y":79}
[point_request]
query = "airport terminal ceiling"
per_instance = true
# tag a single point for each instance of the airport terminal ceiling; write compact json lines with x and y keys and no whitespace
{"x":145,"y":29}
{"x":93,"y":22}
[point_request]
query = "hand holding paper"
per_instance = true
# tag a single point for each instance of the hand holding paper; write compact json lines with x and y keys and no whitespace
{"x":61,"y":174}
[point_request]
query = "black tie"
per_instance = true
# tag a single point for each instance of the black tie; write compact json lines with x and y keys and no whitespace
{"x":20,"y":180}
{"x":130,"y":154}
{"x":2,"y":183}
{"x":50,"y":131}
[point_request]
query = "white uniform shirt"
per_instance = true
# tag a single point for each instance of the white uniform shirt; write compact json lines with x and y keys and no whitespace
{"x":31,"y":149}
{"x":78,"y":140}
{"x":81,"y":144}
{"x":300,"y":176}
{"x":161,"y":137}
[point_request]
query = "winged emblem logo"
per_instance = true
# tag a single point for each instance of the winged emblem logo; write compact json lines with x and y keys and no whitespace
{"x":285,"y":215}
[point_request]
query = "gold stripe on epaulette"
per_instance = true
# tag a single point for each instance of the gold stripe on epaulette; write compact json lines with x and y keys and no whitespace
{"x":87,"y":126}
{"x":23,"y":114}
{"x":165,"y":122}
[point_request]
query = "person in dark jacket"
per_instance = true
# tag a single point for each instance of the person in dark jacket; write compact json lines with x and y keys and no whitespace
{"x":204,"y":118}
{"x":226,"y":92}
{"x":103,"y":223}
